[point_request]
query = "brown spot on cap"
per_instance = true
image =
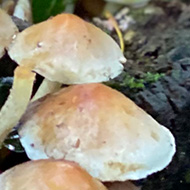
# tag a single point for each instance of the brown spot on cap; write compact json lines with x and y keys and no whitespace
{"x":77,"y":143}
{"x":155,"y":136}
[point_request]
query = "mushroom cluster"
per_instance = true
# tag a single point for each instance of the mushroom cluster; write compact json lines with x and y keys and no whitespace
{"x":64,"y":49}
{"x":87,"y":123}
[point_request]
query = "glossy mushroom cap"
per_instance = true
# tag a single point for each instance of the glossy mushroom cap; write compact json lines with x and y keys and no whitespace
{"x":48,"y":175}
{"x":68,"y":50}
{"x":7,"y":31}
{"x":99,"y":128}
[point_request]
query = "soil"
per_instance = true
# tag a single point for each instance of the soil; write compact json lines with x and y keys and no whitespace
{"x":162,"y":45}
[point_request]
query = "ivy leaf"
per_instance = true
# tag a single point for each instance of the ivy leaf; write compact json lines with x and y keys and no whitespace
{"x":42,"y":10}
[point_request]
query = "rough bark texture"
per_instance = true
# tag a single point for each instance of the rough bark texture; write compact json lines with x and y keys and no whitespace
{"x":162,"y":44}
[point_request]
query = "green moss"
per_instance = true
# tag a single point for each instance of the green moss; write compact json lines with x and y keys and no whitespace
{"x":153,"y":77}
{"x":131,"y":82}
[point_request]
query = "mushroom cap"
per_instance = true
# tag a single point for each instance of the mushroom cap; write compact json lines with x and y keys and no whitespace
{"x":99,"y":128}
{"x":129,"y":2}
{"x":68,"y":50}
{"x":48,"y":175}
{"x":127,"y":185}
{"x":7,"y":30}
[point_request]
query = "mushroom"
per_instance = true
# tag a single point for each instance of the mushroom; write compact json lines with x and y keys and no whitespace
{"x":18,"y":8}
{"x":64,"y":49}
{"x":99,"y":128}
{"x":23,"y":10}
{"x":127,"y":185}
{"x":7,"y":31}
{"x":135,"y":3}
{"x":48,"y":175}
{"x":8,"y":6}
{"x":114,"y":6}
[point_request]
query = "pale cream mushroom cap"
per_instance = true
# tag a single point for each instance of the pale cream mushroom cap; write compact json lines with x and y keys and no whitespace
{"x":129,"y":2}
{"x":48,"y":175}
{"x":68,"y":50}
{"x":99,"y":128}
{"x":7,"y":31}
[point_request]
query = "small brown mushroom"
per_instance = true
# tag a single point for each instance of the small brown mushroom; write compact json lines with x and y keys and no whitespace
{"x":63,"y":49}
{"x":48,"y":175}
{"x":99,"y":128}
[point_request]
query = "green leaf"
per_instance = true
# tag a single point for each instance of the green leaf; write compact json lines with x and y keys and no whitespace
{"x":43,"y":9}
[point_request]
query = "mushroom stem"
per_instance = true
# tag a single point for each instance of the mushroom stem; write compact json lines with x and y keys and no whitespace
{"x":23,"y":10}
{"x":17,"y":101}
{"x":117,"y":29}
{"x":45,"y":88}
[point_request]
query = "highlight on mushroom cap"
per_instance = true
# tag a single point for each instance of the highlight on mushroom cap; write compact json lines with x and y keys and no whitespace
{"x":99,"y":128}
{"x":69,"y":50}
{"x":48,"y":175}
